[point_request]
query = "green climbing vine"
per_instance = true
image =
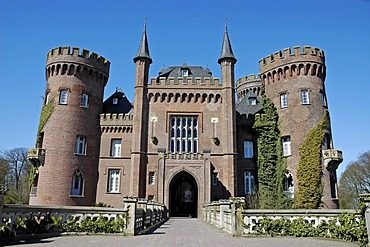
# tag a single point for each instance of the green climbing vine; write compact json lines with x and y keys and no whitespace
{"x":270,"y":162}
{"x":46,"y":112}
{"x":310,"y":187}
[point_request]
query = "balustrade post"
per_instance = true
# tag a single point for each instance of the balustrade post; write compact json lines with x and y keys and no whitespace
{"x":150,"y":208}
{"x":224,"y":205}
{"x":130,"y":204}
{"x":366,"y":199}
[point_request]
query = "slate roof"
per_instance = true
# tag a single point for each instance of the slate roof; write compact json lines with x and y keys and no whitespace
{"x":226,"y":51}
{"x":123,"y":106}
{"x":245,"y":108}
{"x":193,"y":71}
{"x":143,"y":51}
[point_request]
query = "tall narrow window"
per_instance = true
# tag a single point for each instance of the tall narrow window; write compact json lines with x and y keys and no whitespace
{"x":47,"y":96}
{"x":333,"y":185}
{"x":304,"y":97}
{"x":288,"y":185}
{"x":323,"y":99}
{"x":63,"y":97}
{"x":115,"y":101}
{"x":151,"y":178}
{"x":77,"y":183}
{"x":84,"y":100}
{"x":249,"y":186}
{"x":214,"y":179}
{"x":286,"y":146}
{"x":116,"y":148}
{"x":184,"y":134}
{"x":113,"y":180}
{"x":283,"y":100}
{"x":80,"y":145}
{"x":248,"y":149}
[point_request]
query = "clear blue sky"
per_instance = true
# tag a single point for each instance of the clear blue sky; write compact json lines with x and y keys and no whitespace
{"x":191,"y":30}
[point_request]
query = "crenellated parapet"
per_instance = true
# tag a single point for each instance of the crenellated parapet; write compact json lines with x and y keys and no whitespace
{"x":76,"y":62}
{"x":185,"y":81}
{"x":247,"y":84}
{"x":301,"y":61}
{"x":113,"y":122}
{"x":175,"y":97}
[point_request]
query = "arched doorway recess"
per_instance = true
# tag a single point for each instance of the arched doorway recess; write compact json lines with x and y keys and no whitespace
{"x":183,"y":195}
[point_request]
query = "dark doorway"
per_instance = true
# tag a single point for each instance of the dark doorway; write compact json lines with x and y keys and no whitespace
{"x":183,"y":196}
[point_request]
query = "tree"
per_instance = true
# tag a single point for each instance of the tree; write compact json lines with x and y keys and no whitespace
{"x":354,"y":181}
{"x":17,"y":173}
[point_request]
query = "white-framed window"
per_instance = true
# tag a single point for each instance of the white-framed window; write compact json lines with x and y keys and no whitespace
{"x":214,"y":179}
{"x":115,"y":101}
{"x":283,"y":100}
{"x":113,"y":180}
{"x":47,"y":97}
{"x":248,"y":149}
{"x":84,"y":100}
{"x":80,"y":145}
{"x":151,"y":178}
{"x":286,"y":146}
{"x":77,"y":183}
{"x":63,"y":97}
{"x":184,"y":134}
{"x":305,"y":97}
{"x":185,"y":72}
{"x":289,"y":185}
{"x":249,"y":186}
{"x":116,"y":148}
{"x":252,"y":101}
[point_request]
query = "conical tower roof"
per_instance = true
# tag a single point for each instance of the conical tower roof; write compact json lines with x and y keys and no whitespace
{"x":143,"y":51}
{"x":227,"y":51}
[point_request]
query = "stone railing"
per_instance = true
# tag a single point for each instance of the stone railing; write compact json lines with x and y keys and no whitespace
{"x":228,"y":216}
{"x":138,"y":214}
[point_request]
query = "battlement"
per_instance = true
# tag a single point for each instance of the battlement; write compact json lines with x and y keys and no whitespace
{"x":116,"y":116}
{"x":286,"y":56}
{"x":250,"y":79}
{"x":67,"y":54}
{"x":183,"y":81}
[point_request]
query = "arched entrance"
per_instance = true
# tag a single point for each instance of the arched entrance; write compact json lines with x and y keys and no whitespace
{"x":183,"y":195}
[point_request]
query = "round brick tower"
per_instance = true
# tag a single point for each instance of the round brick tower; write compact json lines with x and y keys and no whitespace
{"x":295,"y":83}
{"x":69,"y":127}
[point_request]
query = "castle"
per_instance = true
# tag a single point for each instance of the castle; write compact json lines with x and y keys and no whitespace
{"x":186,"y":139}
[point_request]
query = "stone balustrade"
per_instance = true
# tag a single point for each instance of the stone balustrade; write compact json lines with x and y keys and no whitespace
{"x":229,"y":216}
{"x":138,"y":214}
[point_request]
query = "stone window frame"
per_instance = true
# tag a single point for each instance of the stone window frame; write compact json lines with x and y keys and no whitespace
{"x":116,"y":148}
{"x":114,"y":181}
{"x":81,"y":144}
{"x":77,"y":187}
{"x":249,"y":183}
{"x":63,"y":96}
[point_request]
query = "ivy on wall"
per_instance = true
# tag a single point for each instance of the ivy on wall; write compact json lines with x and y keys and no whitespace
{"x":271,"y":165}
{"x":310,"y":187}
{"x":46,"y":112}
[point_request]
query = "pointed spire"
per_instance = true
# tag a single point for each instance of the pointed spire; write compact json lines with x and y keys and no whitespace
{"x":227,"y":51}
{"x":143,"y":51}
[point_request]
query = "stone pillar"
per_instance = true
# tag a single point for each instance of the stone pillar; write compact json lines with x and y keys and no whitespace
{"x":224,"y":205}
{"x":150,"y":208}
{"x":130,"y":204}
{"x":366,"y":199}
{"x":237,"y":204}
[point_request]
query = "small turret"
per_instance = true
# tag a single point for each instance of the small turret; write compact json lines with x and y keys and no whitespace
{"x":227,"y":51}
{"x":143,"y":51}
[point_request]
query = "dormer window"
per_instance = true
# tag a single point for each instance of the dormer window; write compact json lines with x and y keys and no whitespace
{"x":185,"y":72}
{"x":115,"y":101}
{"x":252,"y":101}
